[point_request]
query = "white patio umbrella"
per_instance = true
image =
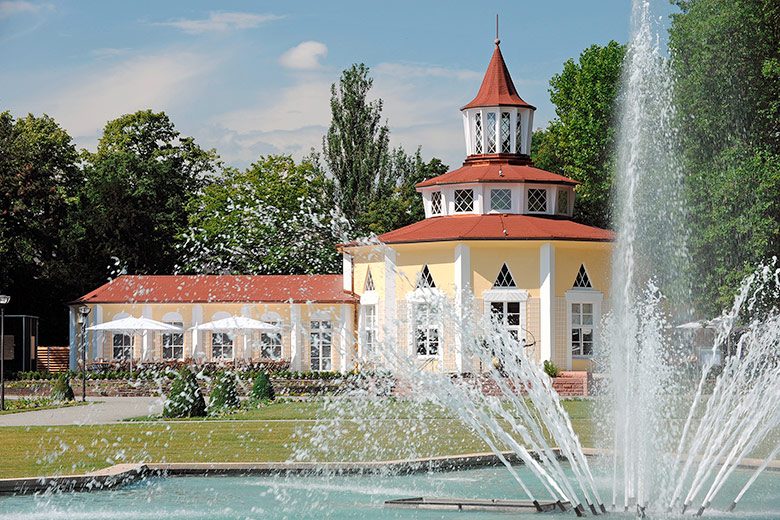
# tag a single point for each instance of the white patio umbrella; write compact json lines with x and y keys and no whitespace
{"x":133,"y":325}
{"x":236,"y":324}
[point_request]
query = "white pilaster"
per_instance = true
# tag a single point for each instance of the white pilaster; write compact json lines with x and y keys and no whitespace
{"x":146,"y":337}
{"x":346,"y":268}
{"x":347,"y":339}
{"x":197,"y":319}
{"x":97,"y":337}
{"x":295,"y":337}
{"x":73,"y":336}
{"x":462,"y":299}
{"x":547,"y":299}
{"x":389,"y":327}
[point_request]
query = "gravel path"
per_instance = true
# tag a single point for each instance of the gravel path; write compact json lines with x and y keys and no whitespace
{"x":102,"y":410}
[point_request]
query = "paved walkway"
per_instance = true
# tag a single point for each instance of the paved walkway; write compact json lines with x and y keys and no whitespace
{"x":101,"y":410}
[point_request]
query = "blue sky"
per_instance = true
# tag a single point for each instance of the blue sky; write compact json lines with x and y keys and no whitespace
{"x":251,"y":78}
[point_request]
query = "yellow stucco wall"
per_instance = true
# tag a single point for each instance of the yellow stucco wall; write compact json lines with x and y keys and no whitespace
{"x":522,"y":259}
{"x":596,"y":256}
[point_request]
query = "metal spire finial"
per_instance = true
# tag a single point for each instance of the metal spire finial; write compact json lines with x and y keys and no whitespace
{"x":497,"y":41}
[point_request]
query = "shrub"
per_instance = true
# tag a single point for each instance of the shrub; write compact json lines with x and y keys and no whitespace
{"x":262,"y":390}
{"x":551,"y":369}
{"x":185,"y":398}
{"x":61,"y":390}
{"x":224,"y":396}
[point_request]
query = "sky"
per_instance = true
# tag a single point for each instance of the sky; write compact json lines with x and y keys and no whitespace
{"x":253,"y":78}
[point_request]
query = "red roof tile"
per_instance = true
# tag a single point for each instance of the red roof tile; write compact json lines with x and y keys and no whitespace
{"x":488,"y":171}
{"x":497,"y":86}
{"x":495,"y":227}
{"x":325,"y":288}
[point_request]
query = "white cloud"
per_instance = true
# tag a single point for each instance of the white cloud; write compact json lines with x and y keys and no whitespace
{"x":221,"y":21}
{"x":11,"y":8}
{"x":159,"y":81}
{"x":304,"y":56}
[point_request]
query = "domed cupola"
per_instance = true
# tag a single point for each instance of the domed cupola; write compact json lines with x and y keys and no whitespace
{"x":497,"y":122}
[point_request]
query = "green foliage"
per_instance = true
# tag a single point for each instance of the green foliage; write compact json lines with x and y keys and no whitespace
{"x":61,"y":389}
{"x":579,"y":143}
{"x":276,"y":217}
{"x":726,"y":57}
{"x":39,"y":180}
{"x":224,"y":395}
{"x":139,"y":185}
{"x":402,"y":205}
{"x":185,"y":398}
{"x":356,"y":146}
{"x":551,"y":369}
{"x":262,"y":390}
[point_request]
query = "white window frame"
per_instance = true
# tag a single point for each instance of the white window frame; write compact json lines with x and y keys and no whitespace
{"x":368,"y":329}
{"x":127,"y":349}
{"x":223,"y":345}
{"x":169,"y":336}
{"x":490,"y":199}
{"x":434,"y":195}
{"x":318,"y":332}
{"x":527,"y":198}
{"x":455,"y":200}
{"x":432,"y":298}
{"x":581,"y":296}
{"x":505,"y":295}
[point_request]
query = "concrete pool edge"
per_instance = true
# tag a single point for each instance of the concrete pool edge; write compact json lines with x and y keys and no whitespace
{"x":121,"y":474}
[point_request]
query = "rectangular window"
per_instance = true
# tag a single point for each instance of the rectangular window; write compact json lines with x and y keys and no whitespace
{"x":436,"y":203}
{"x":506,"y":140}
{"x":501,"y":200}
{"x":562,"y":206}
{"x":173,"y":343}
{"x":582,"y":329}
{"x":321,"y":337}
{"x":464,"y":201}
{"x":271,"y":345}
{"x":478,"y":132}
{"x":122,"y":346}
{"x":507,"y":316}
{"x":518,"y":134}
{"x":221,"y":345}
{"x":369,"y":329}
{"x":537,"y":200}
{"x":490,"y":128}
{"x":426,"y":330}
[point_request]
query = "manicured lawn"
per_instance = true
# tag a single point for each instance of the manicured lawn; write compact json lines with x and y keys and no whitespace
{"x":263,"y":435}
{"x":40,"y":403}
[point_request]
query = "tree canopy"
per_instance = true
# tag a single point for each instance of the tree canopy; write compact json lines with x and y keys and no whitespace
{"x":579,"y":142}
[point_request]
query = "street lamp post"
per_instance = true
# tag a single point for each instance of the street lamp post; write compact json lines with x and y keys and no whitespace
{"x":4,"y":300}
{"x":83,"y":313}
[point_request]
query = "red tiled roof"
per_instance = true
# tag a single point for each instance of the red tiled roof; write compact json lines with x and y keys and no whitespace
{"x":325,"y":288}
{"x":497,"y":86}
{"x":495,"y":227}
{"x":488,"y":171}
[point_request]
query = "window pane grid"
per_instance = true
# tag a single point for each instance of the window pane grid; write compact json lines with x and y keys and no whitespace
{"x":221,"y":345}
{"x":491,"y":132}
{"x":478,"y":132}
{"x":563,"y":202}
{"x":537,"y":200}
{"x":464,"y":200}
{"x":501,"y":200}
{"x":427,"y":330}
{"x":436,"y":203}
{"x":122,"y":346}
{"x":582,"y":329}
{"x":173,"y":343}
{"x":518,"y":135}
{"x":506,"y":140}
{"x":321,"y":341}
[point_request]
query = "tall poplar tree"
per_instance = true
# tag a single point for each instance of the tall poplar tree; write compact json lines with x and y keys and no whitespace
{"x":356,"y":147}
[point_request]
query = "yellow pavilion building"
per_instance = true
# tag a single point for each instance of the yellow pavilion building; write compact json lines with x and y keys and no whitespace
{"x":498,"y":237}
